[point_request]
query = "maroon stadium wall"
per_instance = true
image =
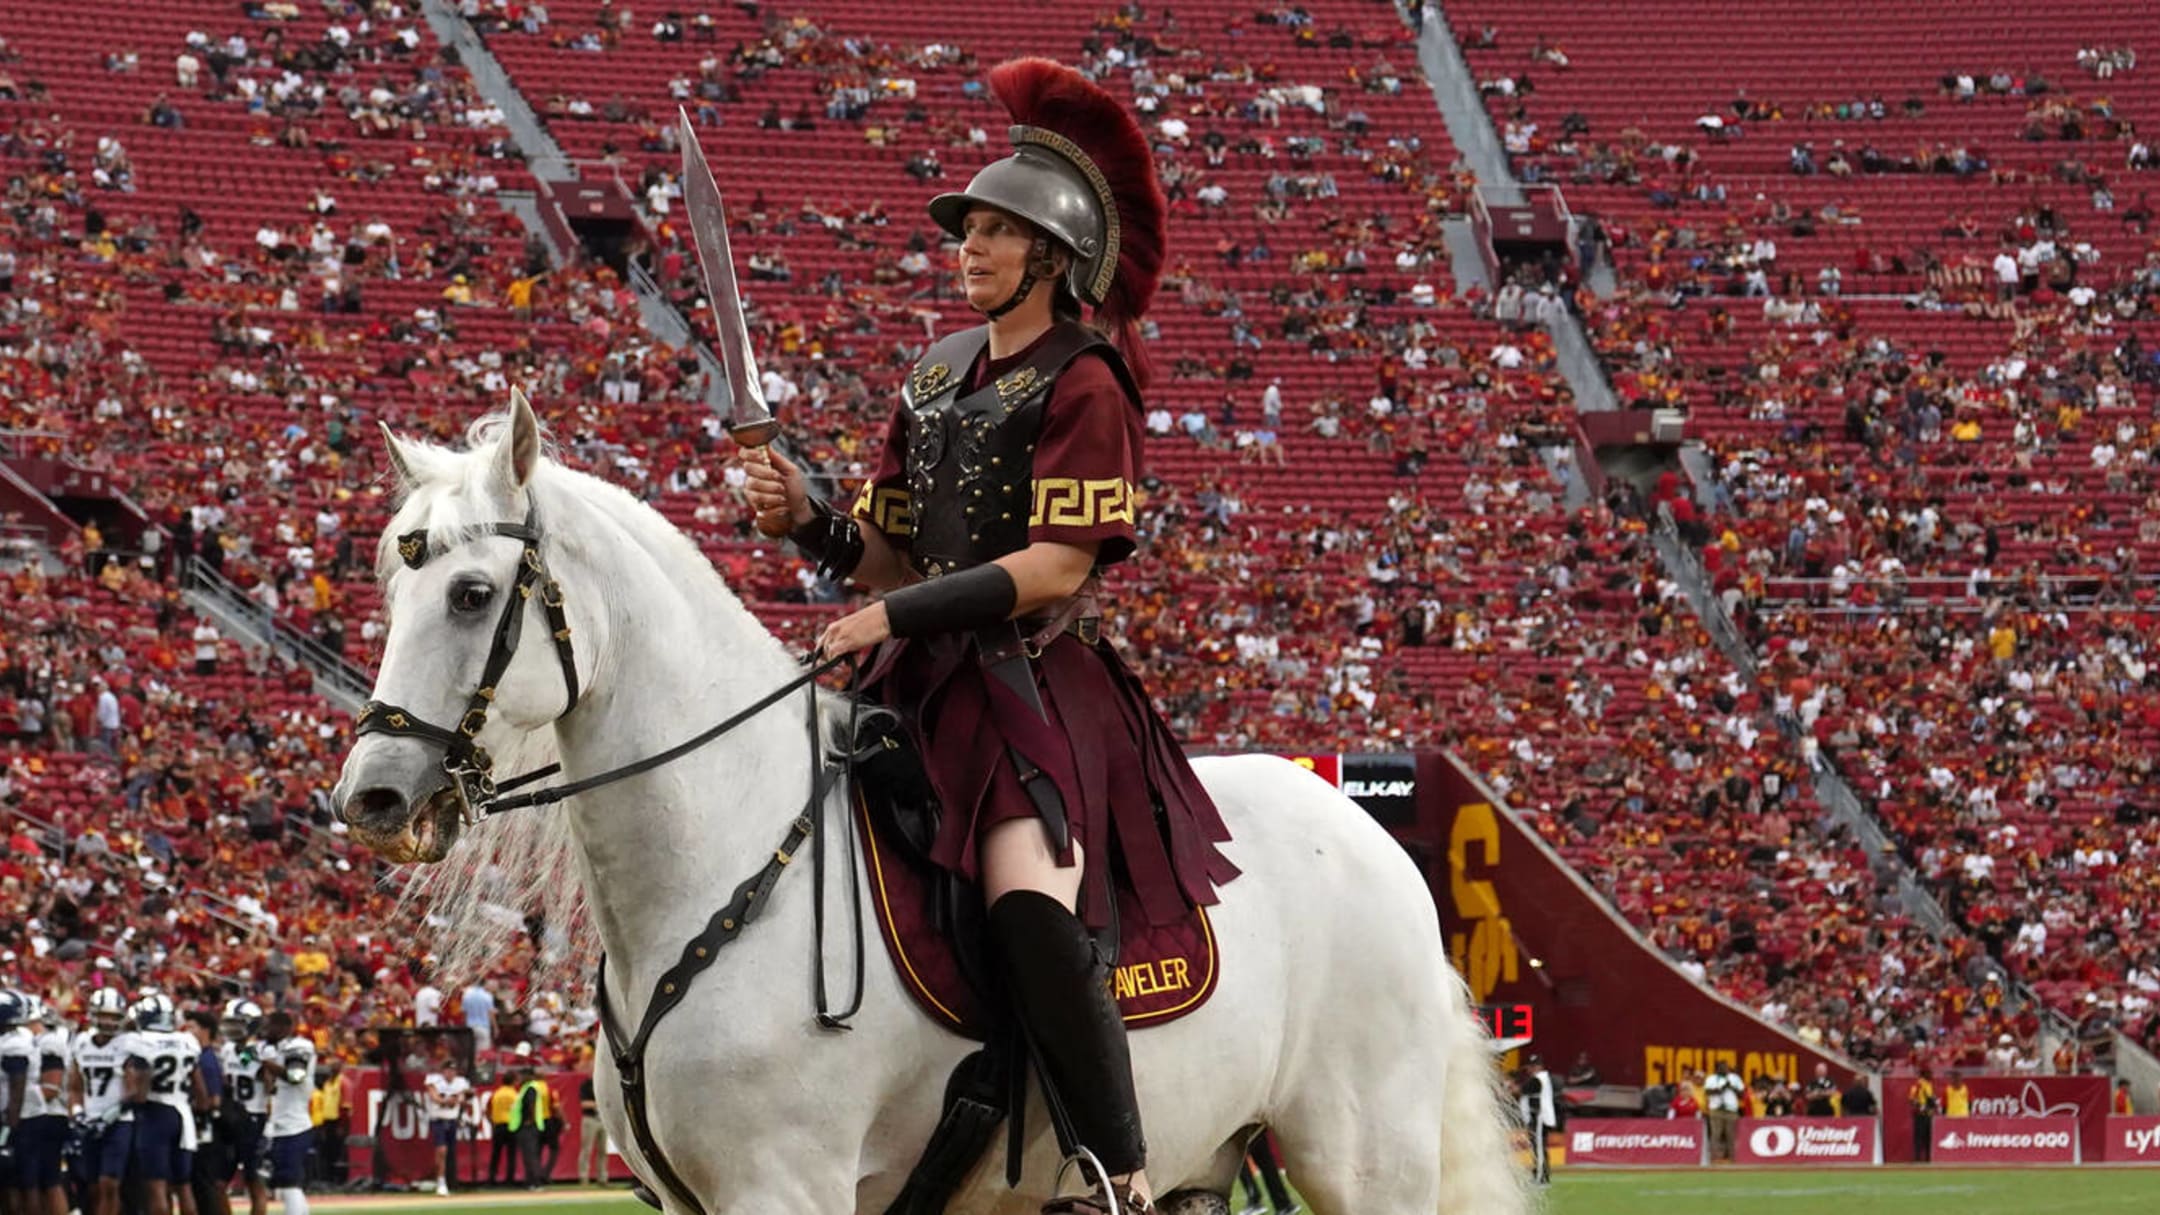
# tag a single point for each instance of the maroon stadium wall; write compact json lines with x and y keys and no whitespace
{"x":2083,"y":1098}
{"x":1524,"y":928}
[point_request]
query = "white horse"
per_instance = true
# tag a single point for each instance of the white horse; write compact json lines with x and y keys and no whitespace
{"x":1338,"y":1021}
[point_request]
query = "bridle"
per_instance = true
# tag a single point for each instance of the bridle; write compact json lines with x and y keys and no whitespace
{"x":468,"y":765}
{"x":471,"y":772}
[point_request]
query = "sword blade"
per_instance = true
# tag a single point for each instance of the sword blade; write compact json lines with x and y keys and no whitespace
{"x":749,"y":417}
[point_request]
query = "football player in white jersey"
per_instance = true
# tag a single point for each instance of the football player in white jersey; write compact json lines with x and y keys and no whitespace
{"x":162,"y":1079}
{"x":96,"y":1086}
{"x":290,"y":1070}
{"x":42,"y":1135}
{"x":448,"y":1100}
{"x":18,"y":1071}
{"x":247,"y":1099}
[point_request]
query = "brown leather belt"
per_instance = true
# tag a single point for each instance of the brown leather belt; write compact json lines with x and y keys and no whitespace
{"x":1080,"y":615}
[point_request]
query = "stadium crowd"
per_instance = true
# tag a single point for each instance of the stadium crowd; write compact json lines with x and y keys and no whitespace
{"x":227,"y":368}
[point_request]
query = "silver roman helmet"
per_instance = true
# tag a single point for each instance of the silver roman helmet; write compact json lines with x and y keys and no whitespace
{"x":1050,"y":182}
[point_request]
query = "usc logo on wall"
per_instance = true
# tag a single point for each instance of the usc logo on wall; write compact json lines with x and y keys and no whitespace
{"x":1484,"y":950}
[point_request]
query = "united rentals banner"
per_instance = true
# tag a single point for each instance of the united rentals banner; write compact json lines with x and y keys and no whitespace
{"x":1642,"y":1141}
{"x":2082,"y":1099}
{"x":2005,"y":1140}
{"x":1525,"y":931}
{"x":2132,"y":1139}
{"x":1808,"y":1141}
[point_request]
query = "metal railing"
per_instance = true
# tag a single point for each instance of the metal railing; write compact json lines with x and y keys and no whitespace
{"x":19,"y":444}
{"x":1831,"y":788}
{"x":329,"y":668}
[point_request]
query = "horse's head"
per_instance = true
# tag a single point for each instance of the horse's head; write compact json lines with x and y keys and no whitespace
{"x":479,"y":654}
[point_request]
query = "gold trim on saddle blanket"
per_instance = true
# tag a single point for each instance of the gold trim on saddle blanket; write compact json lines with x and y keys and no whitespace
{"x":1132,"y":980}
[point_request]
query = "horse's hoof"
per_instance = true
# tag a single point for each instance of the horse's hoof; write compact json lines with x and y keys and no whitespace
{"x":1193,"y":1202}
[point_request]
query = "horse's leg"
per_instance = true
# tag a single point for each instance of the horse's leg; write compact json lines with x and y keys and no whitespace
{"x":1366,"y":1138}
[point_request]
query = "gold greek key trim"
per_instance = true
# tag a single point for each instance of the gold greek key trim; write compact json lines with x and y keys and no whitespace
{"x":1070,"y":502}
{"x":1107,"y":262}
{"x":891,"y":511}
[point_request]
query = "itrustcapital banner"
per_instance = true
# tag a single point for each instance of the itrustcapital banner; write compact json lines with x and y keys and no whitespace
{"x":1659,"y":1141}
{"x":1808,"y":1141}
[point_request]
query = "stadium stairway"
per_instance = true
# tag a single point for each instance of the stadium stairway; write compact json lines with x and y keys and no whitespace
{"x":1473,"y":129}
{"x":245,"y":621}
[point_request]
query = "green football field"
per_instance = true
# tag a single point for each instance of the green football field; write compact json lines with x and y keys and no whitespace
{"x":1896,"y":1191}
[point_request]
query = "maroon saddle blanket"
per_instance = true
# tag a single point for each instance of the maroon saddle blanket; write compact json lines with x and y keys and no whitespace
{"x":1162,"y":973}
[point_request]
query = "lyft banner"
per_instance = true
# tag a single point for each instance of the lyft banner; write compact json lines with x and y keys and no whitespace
{"x":1659,"y":1141}
{"x":1808,"y":1141}
{"x":2006,"y":1140}
{"x":2133,"y":1139}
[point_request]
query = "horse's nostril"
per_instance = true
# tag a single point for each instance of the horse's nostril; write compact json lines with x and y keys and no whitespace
{"x":375,"y":807}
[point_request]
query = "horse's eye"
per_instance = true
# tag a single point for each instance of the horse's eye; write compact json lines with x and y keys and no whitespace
{"x":470,"y":596}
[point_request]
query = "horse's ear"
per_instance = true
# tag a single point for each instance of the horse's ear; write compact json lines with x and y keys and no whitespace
{"x":398,"y":459}
{"x":517,"y":452}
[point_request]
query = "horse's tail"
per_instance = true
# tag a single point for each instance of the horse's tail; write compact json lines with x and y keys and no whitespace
{"x":1478,"y":1171}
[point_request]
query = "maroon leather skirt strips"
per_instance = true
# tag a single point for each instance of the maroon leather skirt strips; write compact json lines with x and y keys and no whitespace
{"x":1100,"y":741}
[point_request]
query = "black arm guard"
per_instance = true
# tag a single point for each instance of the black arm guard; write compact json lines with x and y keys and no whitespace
{"x":834,"y":539}
{"x":955,"y":603}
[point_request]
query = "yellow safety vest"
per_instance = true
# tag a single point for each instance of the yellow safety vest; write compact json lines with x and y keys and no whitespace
{"x":540,"y":1107}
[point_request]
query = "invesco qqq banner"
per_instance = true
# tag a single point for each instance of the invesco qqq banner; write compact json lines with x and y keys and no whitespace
{"x":2006,"y":1140}
{"x":2081,"y":1099}
{"x":1808,"y":1141}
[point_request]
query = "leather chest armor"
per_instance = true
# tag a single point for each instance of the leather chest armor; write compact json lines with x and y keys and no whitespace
{"x":970,"y":457}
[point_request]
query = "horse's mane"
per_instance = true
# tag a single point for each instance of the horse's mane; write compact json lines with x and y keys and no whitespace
{"x":475,"y":903}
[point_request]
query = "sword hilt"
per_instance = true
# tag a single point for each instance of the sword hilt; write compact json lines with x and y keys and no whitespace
{"x":756,"y":438}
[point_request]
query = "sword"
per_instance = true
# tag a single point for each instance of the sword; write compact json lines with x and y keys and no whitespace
{"x":750,"y":421}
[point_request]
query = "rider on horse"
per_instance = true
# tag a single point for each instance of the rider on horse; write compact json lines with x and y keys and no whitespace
{"x":1007,"y":482}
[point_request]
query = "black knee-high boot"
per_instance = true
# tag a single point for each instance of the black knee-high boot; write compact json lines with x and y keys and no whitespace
{"x":1060,"y":987}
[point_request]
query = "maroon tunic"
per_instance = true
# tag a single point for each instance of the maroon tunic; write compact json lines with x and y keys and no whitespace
{"x":1108,"y":751}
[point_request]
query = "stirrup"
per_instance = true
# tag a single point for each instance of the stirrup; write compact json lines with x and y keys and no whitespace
{"x":1107,"y":1200}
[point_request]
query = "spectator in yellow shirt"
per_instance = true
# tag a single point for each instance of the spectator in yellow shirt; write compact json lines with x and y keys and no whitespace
{"x":1957,"y":1099}
{"x":503,"y":1155}
{"x":327,"y":1109}
{"x":2002,"y":641}
{"x":312,"y":961}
